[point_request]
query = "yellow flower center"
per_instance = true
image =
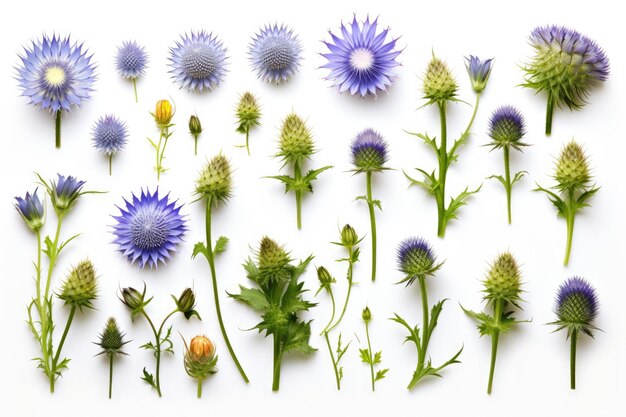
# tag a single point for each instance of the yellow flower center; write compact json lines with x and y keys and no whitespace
{"x":55,"y":76}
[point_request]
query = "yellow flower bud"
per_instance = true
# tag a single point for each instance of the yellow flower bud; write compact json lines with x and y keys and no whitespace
{"x":163,"y":112}
{"x":201,"y":347}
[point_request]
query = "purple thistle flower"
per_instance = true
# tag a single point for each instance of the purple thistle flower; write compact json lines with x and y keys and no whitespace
{"x":507,"y":127}
{"x":360,"y":61}
{"x":31,"y":209}
{"x":576,"y":305}
{"x":149,"y":229}
{"x":416,"y":259}
{"x":64,"y":192}
{"x":275,"y":53}
{"x":109,"y":136}
{"x":131,"y":60}
{"x":478,"y":71}
{"x":369,"y":151}
{"x":198,"y":61}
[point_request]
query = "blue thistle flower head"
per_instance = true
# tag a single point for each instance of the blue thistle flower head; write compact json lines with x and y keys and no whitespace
{"x":198,"y":61}
{"x":56,"y":74}
{"x":576,"y":306}
{"x":149,"y":229}
{"x":416,"y":259}
{"x":31,"y":209}
{"x":507,"y":127}
{"x":369,"y":151}
{"x":109,"y":135}
{"x":478,"y":71}
{"x":361,"y":61}
{"x":131,"y":60}
{"x":63,"y":192}
{"x":275,"y":53}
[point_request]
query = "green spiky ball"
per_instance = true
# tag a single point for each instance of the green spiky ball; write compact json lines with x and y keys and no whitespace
{"x":439,"y":84}
{"x":296,"y":141}
{"x":503,"y":281}
{"x":80,"y":287}
{"x":572,"y":168}
{"x":273,"y":261}
{"x":248,"y":112}
{"x":215,"y":180}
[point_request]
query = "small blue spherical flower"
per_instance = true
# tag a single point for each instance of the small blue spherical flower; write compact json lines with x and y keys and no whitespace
{"x":576,"y":305}
{"x":131,"y":60}
{"x":507,"y":127}
{"x":275,"y":53}
{"x":31,"y":209}
{"x":109,"y":135}
{"x":478,"y":71}
{"x":369,"y":151}
{"x":360,"y":61}
{"x":416,"y":259}
{"x":149,"y":229}
{"x":198,"y":61}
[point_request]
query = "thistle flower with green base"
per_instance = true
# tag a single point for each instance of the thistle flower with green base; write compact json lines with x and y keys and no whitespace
{"x":278,"y":298}
{"x":503,"y":287}
{"x":506,"y":130}
{"x":136,"y":302}
{"x":573,"y":189}
{"x":440,"y":88}
{"x":295,"y":146}
{"x":214,"y":187}
{"x":248,"y":114}
{"x":416,"y":259}
{"x":576,"y":307}
{"x":368,"y":356}
{"x":111,"y":341}
{"x":200,"y":360}
{"x":163,"y":113}
{"x":195,"y":128}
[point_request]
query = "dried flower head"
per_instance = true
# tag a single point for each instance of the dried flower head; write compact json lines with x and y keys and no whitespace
{"x":275,"y":53}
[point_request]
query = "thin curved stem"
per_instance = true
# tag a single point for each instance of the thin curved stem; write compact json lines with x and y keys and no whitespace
{"x":195,"y":146}
{"x":370,"y":205}
{"x":55,"y":360}
{"x":332,"y":358}
{"x":332,"y":316}
{"x":345,"y":304}
{"x":369,"y":349}
{"x":57,"y":129}
{"x":425,"y":324}
{"x":297,"y":179}
{"x":569,"y":218}
{"x":247,"y":136}
{"x":157,"y":337}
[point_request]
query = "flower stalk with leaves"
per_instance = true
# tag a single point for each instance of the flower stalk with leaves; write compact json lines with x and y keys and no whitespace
{"x":136,"y":301}
{"x":195,"y":129}
{"x":440,"y":88}
{"x":200,"y":360}
{"x":248,"y":113}
{"x":111,"y":341}
{"x":279,"y":299}
{"x":368,"y":356}
{"x":163,"y":114}
{"x":214,"y":187}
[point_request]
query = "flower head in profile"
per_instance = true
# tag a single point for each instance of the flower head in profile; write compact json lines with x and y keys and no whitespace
{"x":416,"y":259}
{"x":572,"y":170}
{"x":439,"y":85}
{"x":80,"y":287}
{"x":215,"y":180}
{"x":507,"y":128}
{"x":64,"y":192}
{"x":111,"y":339}
{"x":149,"y":229}
{"x":504,"y":280}
{"x":198,"y":61}
{"x":478,"y":71}
{"x":576,"y":306}
{"x":31,"y":209}
{"x":131,"y":60}
{"x":275,"y":53}
{"x":369,"y":151}
{"x":361,"y":60}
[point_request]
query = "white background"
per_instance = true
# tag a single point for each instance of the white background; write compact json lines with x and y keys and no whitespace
{"x":532,"y":372}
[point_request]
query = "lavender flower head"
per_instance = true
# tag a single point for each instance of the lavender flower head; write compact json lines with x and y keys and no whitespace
{"x":149,"y":229}
{"x":576,"y":305}
{"x":275,"y":53}
{"x":478,"y":71}
{"x":109,"y":135}
{"x":31,"y":209}
{"x":369,"y":151}
{"x":64,"y":192}
{"x":359,"y":60}
{"x":198,"y":61}
{"x":416,"y":259}
{"x":131,"y":60}
{"x":507,"y":127}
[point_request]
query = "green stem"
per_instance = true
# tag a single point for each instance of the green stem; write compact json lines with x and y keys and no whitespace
{"x":508,"y":186}
{"x":53,"y":255}
{"x":494,"y":342}
{"x":199,"y":390}
{"x":425,"y":323}
{"x":332,"y":358}
{"x":370,"y":205}
{"x":572,"y":359}
{"x":247,"y":135}
{"x":38,"y":272}
{"x":277,"y":362}
{"x":161,"y":152}
{"x":110,"y":375}
{"x":298,"y":191}
{"x":195,"y":146}
{"x":110,"y":164}
{"x":332,"y":316}
{"x":443,"y":169}
{"x":135,"y":88}
{"x":569,"y":218}
{"x":55,"y":361}
{"x":369,"y":349}
{"x":157,"y":352}
{"x":345,"y":304}
{"x":57,"y":129}
{"x":211,"y":260}
{"x":549,"y":112}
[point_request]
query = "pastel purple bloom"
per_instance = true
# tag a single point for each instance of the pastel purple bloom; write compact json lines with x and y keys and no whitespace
{"x":416,"y":259}
{"x":576,"y":302}
{"x":31,"y":209}
{"x":109,"y":135}
{"x":149,"y":229}
{"x":507,"y":127}
{"x":369,"y":151}
{"x":198,"y":61}
{"x":360,"y":61}
{"x":478,"y":71}
{"x":275,"y":53}
{"x":131,"y":60}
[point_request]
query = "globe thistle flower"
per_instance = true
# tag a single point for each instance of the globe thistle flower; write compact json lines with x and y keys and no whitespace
{"x":478,"y":71}
{"x":109,"y":136}
{"x":503,"y":287}
{"x":506,"y":129}
{"x":248,"y":114}
{"x":566,"y":66}
{"x":198,"y":61}
{"x":111,"y":341}
{"x":80,"y":287}
{"x":131,"y":62}
{"x":149,"y":229}
{"x":574,"y":188}
{"x":215,"y":181}
{"x":195,"y":129}
{"x":576,"y":307}
{"x":295,"y":146}
{"x":32,"y":211}
{"x":360,"y":60}
{"x":275,"y":53}
{"x":439,"y":85}
{"x":416,"y":259}
{"x":200,"y":360}
{"x":56,"y":75}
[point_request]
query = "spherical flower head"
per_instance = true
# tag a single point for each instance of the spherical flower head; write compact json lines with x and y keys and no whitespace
{"x":576,"y":305}
{"x":149,"y":229}
{"x":275,"y":53}
{"x":186,"y":303}
{"x":195,"y":127}
{"x":131,"y":60}
{"x":200,"y":358}
{"x":31,"y":209}
{"x":273,"y":261}
{"x":503,"y":281}
{"x":439,"y":83}
{"x":296,"y":141}
{"x":56,"y":74}
{"x":198,"y":61}
{"x":111,"y":339}
{"x":349,"y":237}
{"x":566,"y":65}
{"x":369,"y":151}
{"x":248,"y":112}
{"x":478,"y":71}
{"x":572,"y":168}
{"x":507,"y":128}
{"x":109,"y":135}
{"x":163,"y":113}
{"x":215,"y":180}
{"x":64,"y":192}
{"x":361,"y":61}
{"x":80,"y":287}
{"x":416,"y":259}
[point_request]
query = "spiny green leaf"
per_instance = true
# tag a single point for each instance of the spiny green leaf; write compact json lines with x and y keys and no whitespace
{"x":199,"y":248}
{"x":458,"y":202}
{"x":147,"y":377}
{"x":381,"y":374}
{"x":220,"y":245}
{"x":253,"y":297}
{"x":365,"y":356}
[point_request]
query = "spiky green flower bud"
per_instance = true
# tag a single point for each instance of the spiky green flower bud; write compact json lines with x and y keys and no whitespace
{"x":195,"y":127}
{"x":366,"y":315}
{"x":349,"y":237}
{"x":296,"y":141}
{"x":273,"y":261}
{"x":186,"y":303}
{"x":134,"y":300}
{"x":439,"y":84}
{"x":111,"y":339}
{"x":248,"y":112}
{"x":572,"y":168}
{"x":80,"y":287}
{"x":324,"y":277}
{"x":215,"y":180}
{"x":503,"y":281}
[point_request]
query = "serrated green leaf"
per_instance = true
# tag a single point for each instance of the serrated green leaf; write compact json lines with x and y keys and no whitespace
{"x":380,"y":374}
{"x":220,"y":245}
{"x":378,"y":356}
{"x":199,"y":248}
{"x":253,"y":297}
{"x":458,"y":202}
{"x":149,"y":378}
{"x":365,"y":356}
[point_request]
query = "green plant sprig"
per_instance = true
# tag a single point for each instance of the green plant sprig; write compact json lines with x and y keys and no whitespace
{"x":368,"y":356}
